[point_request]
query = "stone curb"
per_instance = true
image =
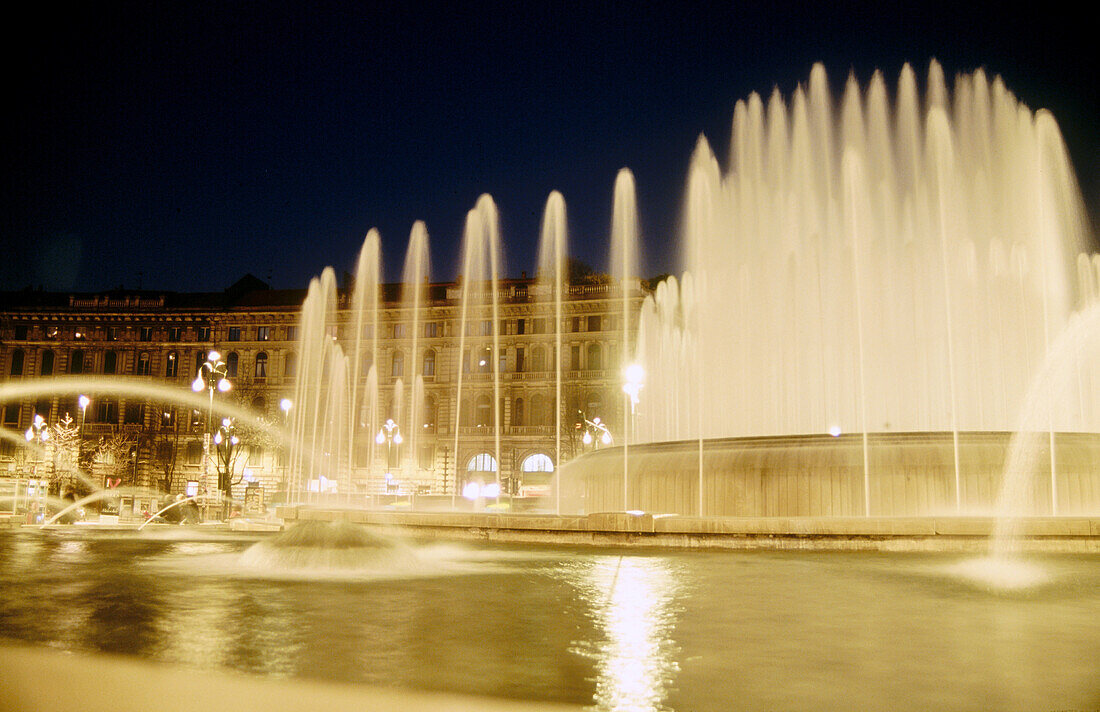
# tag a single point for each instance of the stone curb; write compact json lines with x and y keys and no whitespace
{"x":644,"y":529}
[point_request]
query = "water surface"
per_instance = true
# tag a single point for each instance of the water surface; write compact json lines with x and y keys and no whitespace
{"x":638,"y":631}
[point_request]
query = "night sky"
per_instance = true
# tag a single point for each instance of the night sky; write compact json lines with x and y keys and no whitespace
{"x":179,"y":146}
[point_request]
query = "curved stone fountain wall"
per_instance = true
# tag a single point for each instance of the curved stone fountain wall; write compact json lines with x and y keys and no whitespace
{"x":910,"y":474}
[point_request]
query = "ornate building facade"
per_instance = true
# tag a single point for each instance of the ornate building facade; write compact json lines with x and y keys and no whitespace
{"x":162,"y":339}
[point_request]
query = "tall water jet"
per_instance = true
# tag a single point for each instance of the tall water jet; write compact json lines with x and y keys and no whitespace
{"x":365,"y":301}
{"x":335,"y":390}
{"x":1056,"y":401}
{"x":624,"y":267}
{"x":314,"y":345}
{"x":480,"y":277}
{"x":417,"y":275}
{"x":553,"y":249}
{"x":852,"y":273}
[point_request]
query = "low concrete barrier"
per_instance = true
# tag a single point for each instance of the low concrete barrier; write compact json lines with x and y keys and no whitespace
{"x":628,"y":529}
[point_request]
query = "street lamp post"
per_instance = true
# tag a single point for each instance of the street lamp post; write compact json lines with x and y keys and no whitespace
{"x":83,"y":401}
{"x":390,"y":434}
{"x":226,"y":442}
{"x":211,"y":376}
{"x":596,"y":433}
{"x":38,"y":433}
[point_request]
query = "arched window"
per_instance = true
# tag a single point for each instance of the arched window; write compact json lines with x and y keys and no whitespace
{"x":76,"y":362}
{"x":483,"y":411}
{"x":517,"y":413}
{"x":259,"y":404}
{"x":231,"y":362}
{"x":110,"y":362}
{"x":398,"y":365}
{"x":47,"y":363}
{"x":17,"y":357}
{"x":429,"y":362}
{"x":538,"y":359}
{"x":482,"y":462}
{"x":290,"y":364}
{"x":539,"y":411}
{"x":172,"y":365}
{"x":261,"y":365}
{"x":594,"y":361}
{"x":143,"y":364}
{"x":538,"y":463}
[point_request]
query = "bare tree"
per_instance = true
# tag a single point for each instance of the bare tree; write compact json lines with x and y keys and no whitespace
{"x":228,"y":454}
{"x":116,"y":456}
{"x":65,"y":446}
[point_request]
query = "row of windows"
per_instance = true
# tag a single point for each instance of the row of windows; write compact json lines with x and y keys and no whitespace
{"x":79,"y":363}
{"x":146,"y":333}
{"x":475,"y":361}
{"x":112,"y":333}
{"x":113,"y":363}
{"x":262,"y":333}
{"x":474,"y":327}
{"x":432,"y":329}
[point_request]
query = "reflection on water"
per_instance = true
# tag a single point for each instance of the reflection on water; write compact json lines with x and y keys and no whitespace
{"x":633,"y":602}
{"x":665,"y":631}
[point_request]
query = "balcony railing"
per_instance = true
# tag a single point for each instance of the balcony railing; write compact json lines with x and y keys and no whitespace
{"x":104,"y":302}
{"x":531,"y":430}
{"x":486,"y":430}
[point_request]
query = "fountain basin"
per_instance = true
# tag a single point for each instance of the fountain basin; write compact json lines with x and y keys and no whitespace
{"x":641,"y":530}
{"x":909,"y":475}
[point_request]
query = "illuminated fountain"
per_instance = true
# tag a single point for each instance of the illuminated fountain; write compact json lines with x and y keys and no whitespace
{"x":870,"y":287}
{"x":869,"y":290}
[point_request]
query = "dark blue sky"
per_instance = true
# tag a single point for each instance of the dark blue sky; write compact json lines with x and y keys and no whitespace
{"x":183,"y":146}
